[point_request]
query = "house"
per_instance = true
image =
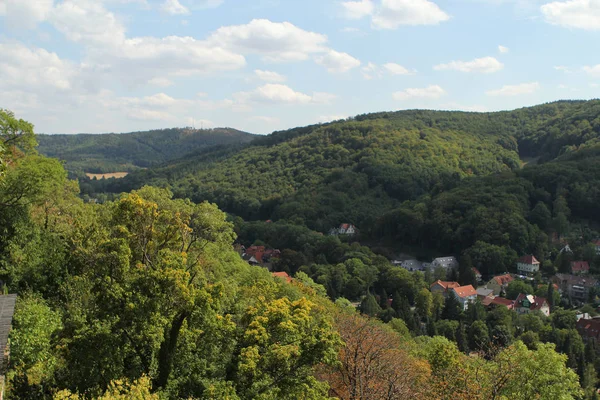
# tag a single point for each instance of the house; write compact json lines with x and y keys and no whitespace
{"x":501,"y":301}
{"x":445,"y":262}
{"x":343,"y":229}
{"x":483,"y":292}
{"x":465,"y":295}
{"x":566,"y":249}
{"x":443,"y":287}
{"x":478,"y":275}
{"x":597,"y":244}
{"x":252,"y":260}
{"x":580,"y":267}
{"x":526,"y":303}
{"x":527,"y":265}
{"x":412,"y":265}
{"x":499,"y":283}
{"x":576,"y":287}
{"x":7,"y":309}
{"x":493,"y":302}
{"x":282,"y":275}
{"x":589,"y":329}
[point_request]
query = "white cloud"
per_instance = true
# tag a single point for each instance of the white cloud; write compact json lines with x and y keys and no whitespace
{"x":593,"y":70}
{"x":201,"y":4}
{"x":484,"y":65}
{"x":371,"y":71}
{"x":357,"y":9}
{"x":503,"y":49}
{"x":150,"y":115}
{"x":430,"y":92}
{"x":562,"y":68}
{"x":160,"y":82}
{"x":88,"y":22}
{"x":174,"y":7}
{"x":34,"y":68}
{"x":582,"y":14}
{"x":265,"y":119}
{"x":461,"y":107}
{"x":199,"y":123}
{"x":396,"y":69}
{"x":25,"y":14}
{"x":269,"y":76}
{"x":337,"y":62}
{"x":515,"y":90}
{"x":329,"y":118}
{"x":394,"y":13}
{"x":275,"y":41}
{"x":273,"y":93}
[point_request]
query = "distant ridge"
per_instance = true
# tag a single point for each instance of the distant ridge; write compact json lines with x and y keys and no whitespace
{"x":126,"y":152}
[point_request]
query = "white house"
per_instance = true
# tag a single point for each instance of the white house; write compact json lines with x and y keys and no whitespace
{"x":597,"y":243}
{"x":412,"y":265}
{"x":344,"y":229}
{"x":524,"y":304}
{"x":465,"y":295}
{"x":445,"y":262}
{"x":528,"y":265}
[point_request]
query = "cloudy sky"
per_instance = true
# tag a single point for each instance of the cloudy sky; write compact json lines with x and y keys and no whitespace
{"x":96,"y":66}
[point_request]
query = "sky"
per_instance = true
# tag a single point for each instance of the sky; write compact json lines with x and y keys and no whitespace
{"x":94,"y":66}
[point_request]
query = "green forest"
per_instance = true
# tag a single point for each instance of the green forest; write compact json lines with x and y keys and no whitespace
{"x":142,"y":294}
{"x":105,"y":153}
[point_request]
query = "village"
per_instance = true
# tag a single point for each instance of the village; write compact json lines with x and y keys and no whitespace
{"x":577,"y":287}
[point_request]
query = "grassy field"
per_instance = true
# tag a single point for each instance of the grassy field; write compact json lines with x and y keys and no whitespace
{"x":116,"y":175}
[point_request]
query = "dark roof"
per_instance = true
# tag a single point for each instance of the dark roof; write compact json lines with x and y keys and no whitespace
{"x":535,"y":302}
{"x":7,"y":309}
{"x":589,"y":328}
{"x":585,"y":281}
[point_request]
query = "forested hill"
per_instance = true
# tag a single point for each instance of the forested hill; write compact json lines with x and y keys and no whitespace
{"x":356,"y":170}
{"x":126,"y":152}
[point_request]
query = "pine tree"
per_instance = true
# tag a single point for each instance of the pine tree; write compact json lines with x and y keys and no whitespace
{"x":461,"y":339}
{"x":383,"y":300}
{"x":369,"y":305}
{"x":431,"y":329}
{"x":452,"y":309}
{"x":551,"y":296}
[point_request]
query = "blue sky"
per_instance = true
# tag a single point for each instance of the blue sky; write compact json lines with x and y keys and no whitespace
{"x":95,"y":66}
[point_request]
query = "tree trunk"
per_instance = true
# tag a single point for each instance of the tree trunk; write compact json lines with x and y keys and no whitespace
{"x":167,"y":350}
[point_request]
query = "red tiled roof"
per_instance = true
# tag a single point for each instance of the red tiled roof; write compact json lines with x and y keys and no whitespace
{"x":501,"y":301}
{"x":528,"y":259}
{"x":596,"y":242}
{"x":282,"y":275}
{"x":536,"y":304}
{"x":344,"y":226}
{"x":503,"y":279}
{"x":580,"y":266}
{"x":486,"y":301}
{"x":252,"y":250}
{"x":476,"y":271}
{"x":464,"y":291}
{"x":445,"y":284}
{"x":553,"y":285}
